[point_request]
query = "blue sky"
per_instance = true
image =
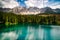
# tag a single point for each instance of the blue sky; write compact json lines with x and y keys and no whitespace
{"x":22,"y":2}
{"x":55,"y":0}
{"x":39,"y":3}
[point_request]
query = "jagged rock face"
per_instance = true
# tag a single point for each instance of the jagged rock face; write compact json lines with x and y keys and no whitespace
{"x":46,"y":10}
{"x":5,"y":9}
{"x":18,"y":9}
{"x":31,"y":10}
{"x":34,"y":9}
{"x":57,"y":10}
{"x":23,"y":10}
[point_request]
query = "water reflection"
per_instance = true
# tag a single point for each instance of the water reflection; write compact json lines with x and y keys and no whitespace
{"x":47,"y":32}
{"x":22,"y":34}
{"x":30,"y":32}
{"x":56,"y":35}
{"x":8,"y":36}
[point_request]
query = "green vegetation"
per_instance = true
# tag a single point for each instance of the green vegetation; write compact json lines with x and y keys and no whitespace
{"x":8,"y":18}
{"x":11,"y":18}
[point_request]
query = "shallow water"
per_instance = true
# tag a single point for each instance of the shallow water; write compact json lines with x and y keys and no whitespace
{"x":31,"y":32}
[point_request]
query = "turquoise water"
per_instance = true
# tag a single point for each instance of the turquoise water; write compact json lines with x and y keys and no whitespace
{"x":30,"y":32}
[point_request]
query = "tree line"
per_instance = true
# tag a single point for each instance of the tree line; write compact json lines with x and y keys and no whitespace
{"x":11,"y":18}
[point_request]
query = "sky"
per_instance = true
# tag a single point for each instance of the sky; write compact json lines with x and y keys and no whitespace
{"x":30,"y":3}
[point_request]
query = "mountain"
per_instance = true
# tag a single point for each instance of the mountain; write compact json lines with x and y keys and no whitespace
{"x":34,"y":9}
{"x":23,"y":10}
{"x":18,"y":9}
{"x":46,"y":10}
{"x":31,"y":10}
{"x":5,"y":9}
{"x":56,"y":10}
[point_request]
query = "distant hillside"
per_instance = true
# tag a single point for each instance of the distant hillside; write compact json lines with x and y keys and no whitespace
{"x":57,"y":10}
{"x":5,"y":9}
{"x":46,"y":10}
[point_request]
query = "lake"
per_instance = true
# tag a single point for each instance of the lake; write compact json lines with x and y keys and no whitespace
{"x":28,"y":31}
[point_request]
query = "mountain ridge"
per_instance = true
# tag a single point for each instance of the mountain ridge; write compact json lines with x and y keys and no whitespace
{"x":30,"y":10}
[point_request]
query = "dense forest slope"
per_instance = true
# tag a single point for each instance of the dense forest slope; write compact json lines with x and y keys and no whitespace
{"x":11,"y":18}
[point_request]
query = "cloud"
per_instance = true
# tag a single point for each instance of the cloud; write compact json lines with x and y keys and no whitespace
{"x":8,"y":3}
{"x":40,"y":3}
{"x":30,"y":3}
{"x":36,"y":3}
{"x":54,"y":5}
